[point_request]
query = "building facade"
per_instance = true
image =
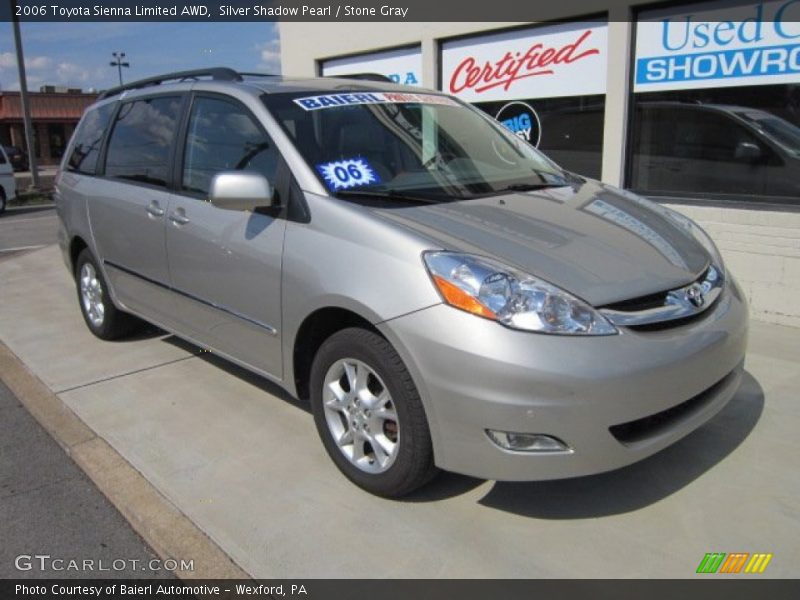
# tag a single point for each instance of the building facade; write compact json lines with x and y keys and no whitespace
{"x":54,"y":114}
{"x":696,"y":106}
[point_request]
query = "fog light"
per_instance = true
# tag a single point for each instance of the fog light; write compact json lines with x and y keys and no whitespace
{"x":526,"y":442}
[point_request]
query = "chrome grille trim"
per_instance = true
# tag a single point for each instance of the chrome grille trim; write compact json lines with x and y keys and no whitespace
{"x":679,"y":303}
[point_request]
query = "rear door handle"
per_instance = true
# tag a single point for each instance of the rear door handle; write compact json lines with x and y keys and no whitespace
{"x":179,"y":217}
{"x":154,"y":209}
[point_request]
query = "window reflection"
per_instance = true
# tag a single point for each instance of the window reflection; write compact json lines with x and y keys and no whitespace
{"x":140,"y":141}
{"x":728,"y":144}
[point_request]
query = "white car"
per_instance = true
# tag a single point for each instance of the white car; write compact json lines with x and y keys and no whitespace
{"x":8,"y":188}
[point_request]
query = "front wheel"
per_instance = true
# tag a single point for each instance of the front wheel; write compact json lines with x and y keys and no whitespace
{"x":369,"y":414}
{"x":104,"y":319}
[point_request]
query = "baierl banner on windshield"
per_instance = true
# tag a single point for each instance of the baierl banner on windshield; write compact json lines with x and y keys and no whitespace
{"x":568,"y":59}
{"x":701,"y":47}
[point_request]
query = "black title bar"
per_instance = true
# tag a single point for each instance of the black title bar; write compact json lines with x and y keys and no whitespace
{"x":342,"y":589}
{"x":309,"y":10}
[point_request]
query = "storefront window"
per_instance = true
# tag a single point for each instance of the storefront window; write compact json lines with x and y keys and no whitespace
{"x":57,"y":139}
{"x":401,"y":65}
{"x":715,"y":145}
{"x":546,"y":84}
{"x":716,"y":112}
{"x":568,"y":130}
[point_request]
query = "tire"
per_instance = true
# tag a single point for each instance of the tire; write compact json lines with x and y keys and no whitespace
{"x":102,"y":318}
{"x":2,"y":201}
{"x":403,"y":461}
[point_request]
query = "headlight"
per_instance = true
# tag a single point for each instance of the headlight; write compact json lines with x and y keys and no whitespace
{"x":494,"y":291}
{"x":699,"y":234}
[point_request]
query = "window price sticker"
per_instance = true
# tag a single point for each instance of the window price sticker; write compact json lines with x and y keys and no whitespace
{"x":344,"y":174}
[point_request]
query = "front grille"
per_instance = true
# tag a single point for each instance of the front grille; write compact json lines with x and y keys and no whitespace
{"x":669,"y":308}
{"x":640,"y":303}
{"x":653,"y":425}
{"x":672,"y":324}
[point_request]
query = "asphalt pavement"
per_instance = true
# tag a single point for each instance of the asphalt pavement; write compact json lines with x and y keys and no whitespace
{"x":49,"y":507}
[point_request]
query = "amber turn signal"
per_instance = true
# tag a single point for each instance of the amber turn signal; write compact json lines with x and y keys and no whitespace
{"x":457,"y":297}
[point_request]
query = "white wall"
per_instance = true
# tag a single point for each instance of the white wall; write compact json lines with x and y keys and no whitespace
{"x":761,"y":247}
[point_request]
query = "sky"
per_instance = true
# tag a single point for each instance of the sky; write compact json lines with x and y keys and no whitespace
{"x":78,"y":54}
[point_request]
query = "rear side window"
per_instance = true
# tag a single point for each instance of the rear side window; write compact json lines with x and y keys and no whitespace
{"x":88,"y":138}
{"x":2,"y":157}
{"x":141,"y":140}
{"x":224,"y":136}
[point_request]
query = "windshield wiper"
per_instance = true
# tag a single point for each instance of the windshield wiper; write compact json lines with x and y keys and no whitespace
{"x":528,"y":187}
{"x":389,"y":195}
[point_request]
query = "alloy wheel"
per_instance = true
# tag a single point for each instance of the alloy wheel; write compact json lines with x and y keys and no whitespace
{"x":361,"y":415}
{"x":92,"y":295}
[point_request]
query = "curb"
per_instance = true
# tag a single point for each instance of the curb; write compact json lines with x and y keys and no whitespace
{"x":13,"y":203}
{"x":169,"y":532}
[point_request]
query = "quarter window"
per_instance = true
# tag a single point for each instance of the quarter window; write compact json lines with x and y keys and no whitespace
{"x":141,"y":139}
{"x":86,"y":148}
{"x":224,"y":136}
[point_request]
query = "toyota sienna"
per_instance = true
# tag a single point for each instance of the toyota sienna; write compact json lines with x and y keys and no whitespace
{"x":444,"y":295}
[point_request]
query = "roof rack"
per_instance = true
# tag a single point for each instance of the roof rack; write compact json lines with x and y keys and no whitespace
{"x":253,"y":74}
{"x":364,"y":77}
{"x":217,"y":74}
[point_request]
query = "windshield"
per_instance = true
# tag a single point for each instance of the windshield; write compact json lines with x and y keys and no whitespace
{"x":781,"y":131}
{"x":408,"y":144}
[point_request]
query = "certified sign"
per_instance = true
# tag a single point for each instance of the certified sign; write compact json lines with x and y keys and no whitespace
{"x":522,"y":120}
{"x":568,"y":59}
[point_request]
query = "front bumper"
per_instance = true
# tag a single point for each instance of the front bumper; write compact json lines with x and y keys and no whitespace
{"x":475,"y":375}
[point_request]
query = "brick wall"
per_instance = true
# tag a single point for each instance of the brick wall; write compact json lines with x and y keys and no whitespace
{"x":762,"y":249}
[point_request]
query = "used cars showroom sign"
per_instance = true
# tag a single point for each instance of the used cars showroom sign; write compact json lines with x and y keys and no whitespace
{"x":568,"y":59}
{"x":754,"y":44}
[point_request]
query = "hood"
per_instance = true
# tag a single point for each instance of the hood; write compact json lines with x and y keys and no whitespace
{"x":600,"y":244}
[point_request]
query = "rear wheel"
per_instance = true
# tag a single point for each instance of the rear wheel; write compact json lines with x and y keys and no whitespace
{"x":369,"y":414}
{"x":104,"y":319}
{"x":2,"y":201}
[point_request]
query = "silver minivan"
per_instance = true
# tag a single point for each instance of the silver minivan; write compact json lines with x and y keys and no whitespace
{"x":443,"y":295}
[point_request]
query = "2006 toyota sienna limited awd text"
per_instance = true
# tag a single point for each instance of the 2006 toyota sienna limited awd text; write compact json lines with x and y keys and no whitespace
{"x":442,"y":293}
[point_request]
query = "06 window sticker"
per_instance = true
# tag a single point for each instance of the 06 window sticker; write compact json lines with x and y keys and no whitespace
{"x":348,"y":173}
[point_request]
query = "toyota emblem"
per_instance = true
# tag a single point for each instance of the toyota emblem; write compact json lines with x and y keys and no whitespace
{"x":696,"y":296}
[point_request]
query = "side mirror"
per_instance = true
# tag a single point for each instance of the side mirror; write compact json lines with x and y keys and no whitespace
{"x":748,"y":152}
{"x":241,"y":190}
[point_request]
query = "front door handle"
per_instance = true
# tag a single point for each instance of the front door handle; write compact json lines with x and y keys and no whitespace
{"x":153,"y":209}
{"x":179,"y":217}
